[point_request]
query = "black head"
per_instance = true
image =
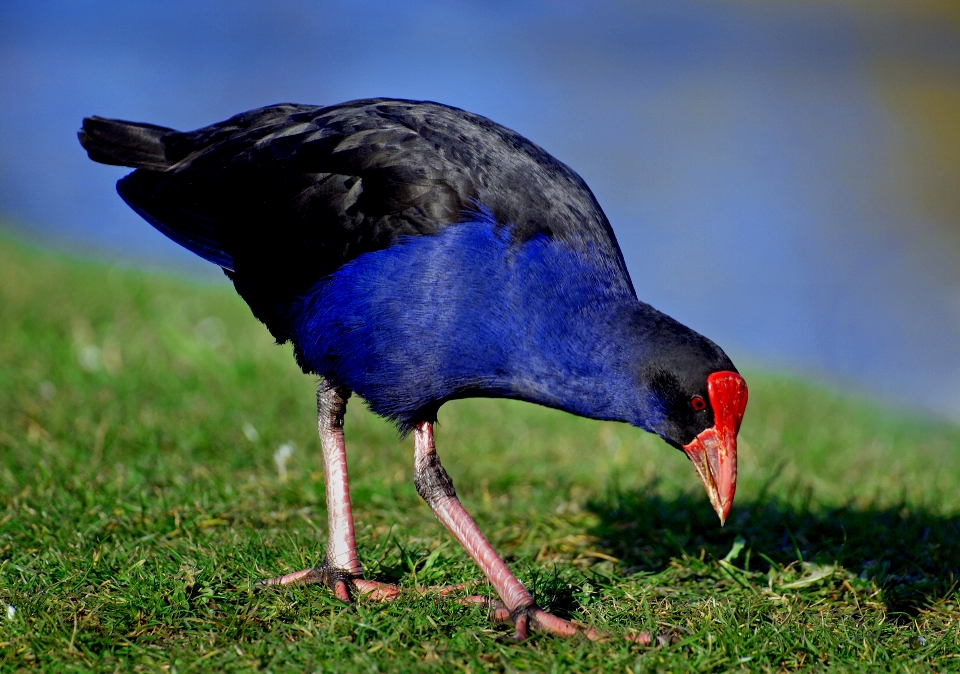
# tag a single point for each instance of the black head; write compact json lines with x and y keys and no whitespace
{"x":692,"y":396}
{"x":671,"y":366}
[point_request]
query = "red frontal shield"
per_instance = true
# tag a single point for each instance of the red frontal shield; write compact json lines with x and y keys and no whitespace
{"x":714,"y":451}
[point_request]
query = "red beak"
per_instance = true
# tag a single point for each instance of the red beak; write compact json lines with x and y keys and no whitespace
{"x":714,"y":451}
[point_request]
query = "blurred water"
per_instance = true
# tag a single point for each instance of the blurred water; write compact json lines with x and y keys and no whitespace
{"x":749,"y":155}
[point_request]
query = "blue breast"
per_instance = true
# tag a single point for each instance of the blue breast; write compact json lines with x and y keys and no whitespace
{"x":472,"y":312}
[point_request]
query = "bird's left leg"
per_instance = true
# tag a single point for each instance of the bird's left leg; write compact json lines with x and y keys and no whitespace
{"x":436,"y":488}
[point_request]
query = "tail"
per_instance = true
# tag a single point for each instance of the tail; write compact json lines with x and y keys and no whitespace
{"x":120,"y":143}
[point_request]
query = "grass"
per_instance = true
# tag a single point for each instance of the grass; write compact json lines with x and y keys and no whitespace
{"x":140,"y":498}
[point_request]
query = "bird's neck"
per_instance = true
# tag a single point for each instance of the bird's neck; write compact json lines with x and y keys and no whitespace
{"x":472,"y":312}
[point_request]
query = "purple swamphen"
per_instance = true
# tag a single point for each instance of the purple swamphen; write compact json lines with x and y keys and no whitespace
{"x":416,"y":253}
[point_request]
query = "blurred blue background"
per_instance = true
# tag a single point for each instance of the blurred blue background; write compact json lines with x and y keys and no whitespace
{"x":782,"y":176}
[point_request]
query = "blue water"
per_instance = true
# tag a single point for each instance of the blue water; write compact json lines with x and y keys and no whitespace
{"x":743,"y":154}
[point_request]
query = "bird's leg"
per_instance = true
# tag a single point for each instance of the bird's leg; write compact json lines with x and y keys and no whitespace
{"x":340,"y":569}
{"x":340,"y":566}
{"x":436,"y":488}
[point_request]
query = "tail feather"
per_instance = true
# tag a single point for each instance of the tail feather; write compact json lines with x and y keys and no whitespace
{"x":121,"y":143}
{"x":147,"y":190}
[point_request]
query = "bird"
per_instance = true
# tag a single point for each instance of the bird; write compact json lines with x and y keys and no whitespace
{"x":416,"y":253}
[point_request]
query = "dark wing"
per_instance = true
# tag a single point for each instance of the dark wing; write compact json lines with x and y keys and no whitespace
{"x":284,"y":195}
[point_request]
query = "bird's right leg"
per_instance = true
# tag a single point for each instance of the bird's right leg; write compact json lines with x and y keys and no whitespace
{"x":340,"y":569}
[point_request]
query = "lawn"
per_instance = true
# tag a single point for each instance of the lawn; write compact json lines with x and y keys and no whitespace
{"x":143,"y":491}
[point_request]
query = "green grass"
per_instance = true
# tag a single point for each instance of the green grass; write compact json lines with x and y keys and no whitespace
{"x":139,"y":501}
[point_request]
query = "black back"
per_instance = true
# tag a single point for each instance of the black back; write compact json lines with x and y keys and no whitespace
{"x":284,"y":195}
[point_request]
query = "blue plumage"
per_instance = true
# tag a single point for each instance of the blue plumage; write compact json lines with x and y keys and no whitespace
{"x":470,"y":311}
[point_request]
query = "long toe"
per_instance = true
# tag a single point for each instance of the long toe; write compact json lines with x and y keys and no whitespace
{"x":546,"y":622}
{"x":374,"y":590}
{"x":536,"y":619}
{"x":336,"y":579}
{"x":305,"y":577}
{"x":377,"y":591}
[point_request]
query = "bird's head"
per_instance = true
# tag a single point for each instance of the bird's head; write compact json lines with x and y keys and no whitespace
{"x":694,"y":398}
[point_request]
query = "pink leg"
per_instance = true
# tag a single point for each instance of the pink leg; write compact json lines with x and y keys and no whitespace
{"x":342,"y":543}
{"x":341,"y":569}
{"x":340,"y":565}
{"x":436,"y":488}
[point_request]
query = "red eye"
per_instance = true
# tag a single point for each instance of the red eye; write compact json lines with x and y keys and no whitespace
{"x":698,"y":403}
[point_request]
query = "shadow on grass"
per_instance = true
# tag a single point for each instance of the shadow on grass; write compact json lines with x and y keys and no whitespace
{"x":911,"y":552}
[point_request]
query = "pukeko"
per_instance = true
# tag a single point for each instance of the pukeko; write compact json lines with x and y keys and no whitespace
{"x":416,"y":253}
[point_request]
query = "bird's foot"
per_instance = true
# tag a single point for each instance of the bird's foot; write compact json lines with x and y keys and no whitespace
{"x":525,"y":619}
{"x":338,"y":580}
{"x":346,"y":585}
{"x":529,"y":618}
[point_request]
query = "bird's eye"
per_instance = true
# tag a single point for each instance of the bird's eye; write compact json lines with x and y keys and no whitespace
{"x":698,"y":403}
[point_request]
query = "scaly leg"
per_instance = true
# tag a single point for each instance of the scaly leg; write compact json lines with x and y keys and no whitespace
{"x":340,"y":569}
{"x":340,"y":566}
{"x":436,"y":488}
